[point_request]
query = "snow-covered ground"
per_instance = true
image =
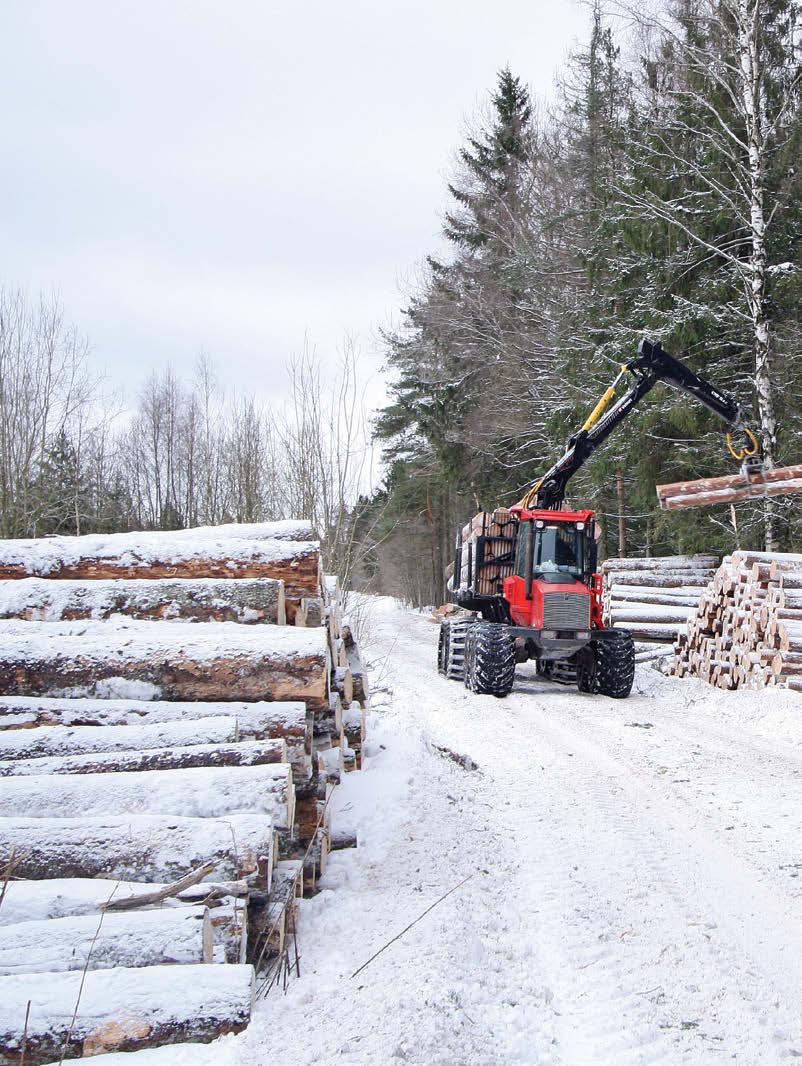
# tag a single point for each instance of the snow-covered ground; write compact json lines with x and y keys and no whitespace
{"x":633,"y":896}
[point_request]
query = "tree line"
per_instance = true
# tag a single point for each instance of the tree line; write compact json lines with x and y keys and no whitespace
{"x":658,"y":195}
{"x":186,"y":454}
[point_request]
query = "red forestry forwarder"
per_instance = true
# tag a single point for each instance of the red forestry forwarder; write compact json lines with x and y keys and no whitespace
{"x":529,"y":573}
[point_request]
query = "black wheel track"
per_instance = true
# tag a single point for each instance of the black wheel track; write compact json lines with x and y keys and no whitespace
{"x":615,"y":665}
{"x":489,"y":659}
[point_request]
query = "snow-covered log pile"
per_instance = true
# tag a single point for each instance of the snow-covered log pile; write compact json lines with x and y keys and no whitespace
{"x":188,"y":554}
{"x":168,"y":746}
{"x":168,"y":660}
{"x":248,"y":600}
{"x":747,"y":629}
{"x":654,"y":598}
{"x":121,"y":1009}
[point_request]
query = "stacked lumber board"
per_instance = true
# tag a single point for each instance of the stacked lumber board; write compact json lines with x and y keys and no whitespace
{"x":747,"y":629}
{"x":654,"y":598}
{"x":168,"y":747}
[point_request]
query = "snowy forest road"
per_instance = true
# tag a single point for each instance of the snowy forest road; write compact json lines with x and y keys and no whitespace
{"x":633,"y":897}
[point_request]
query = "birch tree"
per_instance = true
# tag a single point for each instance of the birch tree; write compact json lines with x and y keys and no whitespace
{"x":736,"y":97}
{"x":44,"y":385}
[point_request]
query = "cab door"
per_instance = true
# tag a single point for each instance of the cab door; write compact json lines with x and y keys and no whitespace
{"x":518,"y":588}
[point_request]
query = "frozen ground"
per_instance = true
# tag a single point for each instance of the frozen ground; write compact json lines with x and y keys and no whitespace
{"x":634,"y":892}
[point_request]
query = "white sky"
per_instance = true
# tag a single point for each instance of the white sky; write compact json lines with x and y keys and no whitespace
{"x":232,"y":176}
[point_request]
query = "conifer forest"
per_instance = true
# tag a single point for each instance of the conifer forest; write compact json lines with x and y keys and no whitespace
{"x":656,"y":193}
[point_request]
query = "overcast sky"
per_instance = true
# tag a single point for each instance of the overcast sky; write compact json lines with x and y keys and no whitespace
{"x":233,"y":176}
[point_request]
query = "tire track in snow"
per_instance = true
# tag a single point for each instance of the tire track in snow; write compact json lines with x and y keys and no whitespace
{"x":721,"y":987}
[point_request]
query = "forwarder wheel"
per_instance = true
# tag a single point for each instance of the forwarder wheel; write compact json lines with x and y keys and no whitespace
{"x":615,"y":665}
{"x":489,"y":659}
{"x":451,"y":647}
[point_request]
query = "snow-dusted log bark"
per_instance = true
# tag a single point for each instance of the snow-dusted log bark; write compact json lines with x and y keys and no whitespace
{"x":248,"y":601}
{"x":190,"y":1054}
{"x":64,"y":741}
{"x":132,"y":938}
{"x":157,"y":555}
{"x":782,"y":481}
{"x":653,"y":631}
{"x":639,"y":595}
{"x":246,"y":753}
{"x":229,"y":919}
{"x":663,"y":562}
{"x":284,"y":529}
{"x":623,"y":615}
{"x":75,"y":726}
{"x":172,"y":660}
{"x":712,"y":484}
{"x":195,"y":793}
{"x":120,"y":1010}
{"x":34,"y":901}
{"x":664,"y":579}
{"x":139,"y":847}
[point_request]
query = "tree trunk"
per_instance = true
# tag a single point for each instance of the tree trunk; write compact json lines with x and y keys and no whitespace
{"x":62,"y":741}
{"x":124,"y":724}
{"x":622,"y":519}
{"x":120,"y":1010}
{"x":145,"y":847}
{"x":148,"y":556}
{"x":284,"y":529}
{"x":229,"y":918}
{"x":752,"y":95}
{"x":247,"y":601}
{"x":247,"y":753}
{"x":171,"y":660}
{"x":663,"y":562}
{"x":134,"y":938}
{"x":196,"y":793}
{"x":37,"y":901}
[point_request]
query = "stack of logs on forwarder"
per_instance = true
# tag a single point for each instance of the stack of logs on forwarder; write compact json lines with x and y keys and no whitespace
{"x":655,"y":598}
{"x":174,"y":711}
{"x":487,"y":542}
{"x":747,"y":629}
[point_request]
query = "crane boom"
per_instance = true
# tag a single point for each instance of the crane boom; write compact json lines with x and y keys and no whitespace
{"x":651,"y":365}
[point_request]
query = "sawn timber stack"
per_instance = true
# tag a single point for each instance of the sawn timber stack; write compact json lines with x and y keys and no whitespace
{"x":168,"y":746}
